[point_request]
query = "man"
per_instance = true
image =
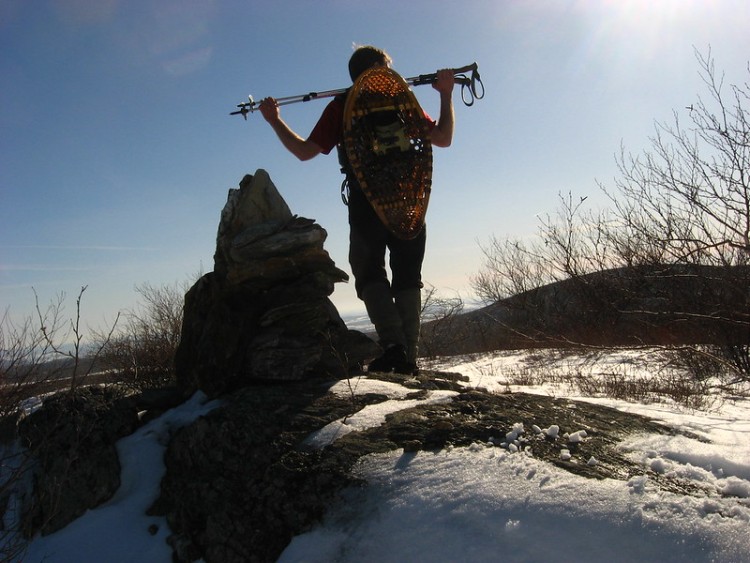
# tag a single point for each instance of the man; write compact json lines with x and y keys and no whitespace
{"x":393,"y":307}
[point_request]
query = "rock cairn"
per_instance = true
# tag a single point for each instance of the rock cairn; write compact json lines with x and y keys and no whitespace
{"x":264,"y":313}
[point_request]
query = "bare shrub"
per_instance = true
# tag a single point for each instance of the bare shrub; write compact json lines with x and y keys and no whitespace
{"x":643,"y":389}
{"x":511,"y":267}
{"x":66,"y":345}
{"x":669,"y":261}
{"x":142,"y":353}
{"x":22,"y":349}
{"x":38,"y":355}
{"x":440,"y":329}
{"x":720,"y":368}
{"x":639,"y":376}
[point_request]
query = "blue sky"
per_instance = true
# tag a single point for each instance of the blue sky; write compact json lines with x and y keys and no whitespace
{"x":117,"y":150}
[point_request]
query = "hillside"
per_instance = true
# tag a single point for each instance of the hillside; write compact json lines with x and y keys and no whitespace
{"x":625,"y":306}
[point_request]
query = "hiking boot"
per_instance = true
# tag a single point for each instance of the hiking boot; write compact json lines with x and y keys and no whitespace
{"x":408,"y":368}
{"x":393,"y":360}
{"x":409,"y":305}
{"x":384,"y":314}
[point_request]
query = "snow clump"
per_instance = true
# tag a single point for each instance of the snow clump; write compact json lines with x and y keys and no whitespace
{"x":577,"y":437}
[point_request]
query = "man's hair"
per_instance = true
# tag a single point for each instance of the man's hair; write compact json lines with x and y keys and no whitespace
{"x":364,"y":57}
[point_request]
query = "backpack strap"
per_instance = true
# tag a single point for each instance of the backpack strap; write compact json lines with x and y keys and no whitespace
{"x":346,"y":170}
{"x":346,"y":167}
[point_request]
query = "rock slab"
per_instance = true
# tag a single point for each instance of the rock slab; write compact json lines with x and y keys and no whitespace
{"x":264,"y":313}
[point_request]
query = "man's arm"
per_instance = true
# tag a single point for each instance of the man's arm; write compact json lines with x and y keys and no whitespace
{"x":442,"y":134}
{"x":304,"y":149}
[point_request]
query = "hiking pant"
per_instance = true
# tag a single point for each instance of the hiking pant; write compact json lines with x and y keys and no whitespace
{"x":368,"y":241}
{"x":393,"y":307}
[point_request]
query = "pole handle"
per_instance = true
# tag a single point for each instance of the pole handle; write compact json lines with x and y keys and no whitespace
{"x":472,"y":88}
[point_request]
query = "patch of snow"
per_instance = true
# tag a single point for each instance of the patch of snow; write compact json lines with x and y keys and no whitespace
{"x":371,"y":415}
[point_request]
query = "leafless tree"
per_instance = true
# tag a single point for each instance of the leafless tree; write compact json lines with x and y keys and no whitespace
{"x":36,"y":357}
{"x":679,"y":214}
{"x":22,"y":370}
{"x":68,"y":344}
{"x":440,"y":329}
{"x":688,"y":199}
{"x":143,"y":351}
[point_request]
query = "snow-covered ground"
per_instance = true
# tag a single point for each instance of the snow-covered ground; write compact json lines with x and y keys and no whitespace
{"x":479,"y":503}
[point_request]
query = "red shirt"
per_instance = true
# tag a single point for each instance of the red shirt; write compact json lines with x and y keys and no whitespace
{"x":329,"y":130}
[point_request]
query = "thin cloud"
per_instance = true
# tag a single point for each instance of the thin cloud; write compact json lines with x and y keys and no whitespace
{"x":62,"y":247}
{"x":188,"y":63}
{"x":43,"y":268}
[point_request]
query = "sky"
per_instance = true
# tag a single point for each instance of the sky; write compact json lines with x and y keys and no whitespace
{"x":491,"y":501}
{"x":117,"y":149}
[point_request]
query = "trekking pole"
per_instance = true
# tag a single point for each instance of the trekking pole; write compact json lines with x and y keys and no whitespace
{"x":469,"y":90}
{"x":251,"y":105}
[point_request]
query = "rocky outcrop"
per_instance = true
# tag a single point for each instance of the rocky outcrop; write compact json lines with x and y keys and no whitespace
{"x":242,"y":481}
{"x":264,"y":313}
{"x":70,"y":464}
{"x":76,"y":465}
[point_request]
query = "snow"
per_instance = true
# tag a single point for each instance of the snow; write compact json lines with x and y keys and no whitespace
{"x":118,"y":531}
{"x":489,"y":502}
{"x":371,"y":415}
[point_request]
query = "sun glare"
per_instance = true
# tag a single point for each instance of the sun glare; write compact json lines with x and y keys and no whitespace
{"x":645,"y":26}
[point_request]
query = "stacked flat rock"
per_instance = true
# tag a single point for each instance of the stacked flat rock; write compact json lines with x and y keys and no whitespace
{"x":264,"y":313}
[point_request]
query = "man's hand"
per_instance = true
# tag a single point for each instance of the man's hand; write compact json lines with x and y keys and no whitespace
{"x":299,"y":147}
{"x":269,"y":109}
{"x":445,"y":81}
